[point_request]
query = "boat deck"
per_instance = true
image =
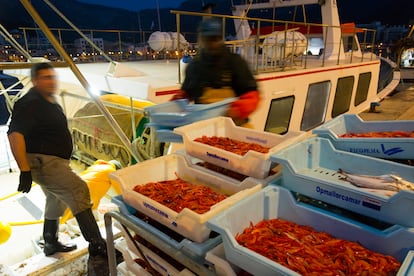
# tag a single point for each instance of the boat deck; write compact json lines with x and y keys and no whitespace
{"x":23,"y":210}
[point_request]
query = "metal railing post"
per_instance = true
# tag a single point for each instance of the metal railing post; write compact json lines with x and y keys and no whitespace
{"x":256,"y":60}
{"x":178,"y":20}
{"x":324,"y":46}
{"x":365,"y":45}
{"x":339,"y":50}
{"x":120,"y":45}
{"x":307,"y":45}
{"x":373,"y":42}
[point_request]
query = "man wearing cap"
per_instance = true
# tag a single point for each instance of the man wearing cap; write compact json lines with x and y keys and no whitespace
{"x":208,"y":8}
{"x":216,"y":74}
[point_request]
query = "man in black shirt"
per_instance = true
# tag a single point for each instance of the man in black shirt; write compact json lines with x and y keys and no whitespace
{"x":216,"y":74}
{"x":42,"y":146}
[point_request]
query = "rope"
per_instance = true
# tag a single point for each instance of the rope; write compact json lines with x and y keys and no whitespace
{"x":91,"y":143}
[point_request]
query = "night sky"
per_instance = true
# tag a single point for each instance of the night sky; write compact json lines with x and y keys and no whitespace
{"x":388,"y":11}
{"x":135,"y":5}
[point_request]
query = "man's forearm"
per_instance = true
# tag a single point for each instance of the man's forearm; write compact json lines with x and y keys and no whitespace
{"x":18,"y":148}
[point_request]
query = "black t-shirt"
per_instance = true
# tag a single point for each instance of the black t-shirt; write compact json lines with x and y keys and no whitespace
{"x":43,"y":125}
{"x":224,"y":70}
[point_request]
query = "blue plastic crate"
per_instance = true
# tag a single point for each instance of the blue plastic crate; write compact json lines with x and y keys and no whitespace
{"x":311,"y":168}
{"x":181,"y":112}
{"x":277,"y":202}
{"x":165,"y":133}
{"x":195,"y":250}
{"x":387,"y":148}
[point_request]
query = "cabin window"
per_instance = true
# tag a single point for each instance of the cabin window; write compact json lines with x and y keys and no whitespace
{"x":279,"y":115}
{"x":350,"y":43}
{"x":362,"y":88}
{"x":342,"y":96}
{"x":315,"y":106}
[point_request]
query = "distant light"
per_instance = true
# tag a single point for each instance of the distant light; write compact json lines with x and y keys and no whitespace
{"x":95,"y":91}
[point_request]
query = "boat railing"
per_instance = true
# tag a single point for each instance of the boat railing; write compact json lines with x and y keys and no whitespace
{"x":118,"y":45}
{"x":261,"y":50}
{"x":278,"y":45}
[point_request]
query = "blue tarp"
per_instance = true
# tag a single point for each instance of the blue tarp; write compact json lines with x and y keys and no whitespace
{"x":7,"y":81}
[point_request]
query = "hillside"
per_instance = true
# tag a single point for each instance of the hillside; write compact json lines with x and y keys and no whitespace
{"x":13,"y":14}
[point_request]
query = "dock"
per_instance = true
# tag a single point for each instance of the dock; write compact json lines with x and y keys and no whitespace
{"x":399,"y":105}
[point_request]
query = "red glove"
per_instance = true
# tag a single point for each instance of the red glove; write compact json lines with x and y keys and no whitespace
{"x":245,"y":105}
{"x":179,"y":95}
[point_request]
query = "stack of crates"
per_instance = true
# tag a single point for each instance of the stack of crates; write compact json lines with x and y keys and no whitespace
{"x":310,"y":168}
{"x":198,"y":239}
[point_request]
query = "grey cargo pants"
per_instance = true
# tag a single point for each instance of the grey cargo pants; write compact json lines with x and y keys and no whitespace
{"x":61,"y":185}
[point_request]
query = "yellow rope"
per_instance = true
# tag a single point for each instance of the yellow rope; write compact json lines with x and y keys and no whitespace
{"x":23,"y":223}
{"x":13,"y":194}
{"x":20,"y":223}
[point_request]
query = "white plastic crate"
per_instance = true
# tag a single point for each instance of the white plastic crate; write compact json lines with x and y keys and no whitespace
{"x":387,"y":148}
{"x":253,"y":163}
{"x":187,"y":223}
{"x":181,"y":112}
{"x":277,"y":202}
{"x":311,"y":168}
{"x":130,"y":253}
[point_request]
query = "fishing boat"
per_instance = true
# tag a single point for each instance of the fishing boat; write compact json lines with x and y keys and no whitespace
{"x":308,"y":73}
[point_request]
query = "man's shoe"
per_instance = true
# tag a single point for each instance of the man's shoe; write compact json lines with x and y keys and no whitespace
{"x":52,"y":248}
{"x":98,"y":249}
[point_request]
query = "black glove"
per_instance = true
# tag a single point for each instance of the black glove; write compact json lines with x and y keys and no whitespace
{"x":25,"y":182}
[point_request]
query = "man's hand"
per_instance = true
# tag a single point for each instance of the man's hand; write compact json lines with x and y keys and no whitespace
{"x":25,"y":183}
{"x":244,"y":106}
{"x":179,"y":95}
